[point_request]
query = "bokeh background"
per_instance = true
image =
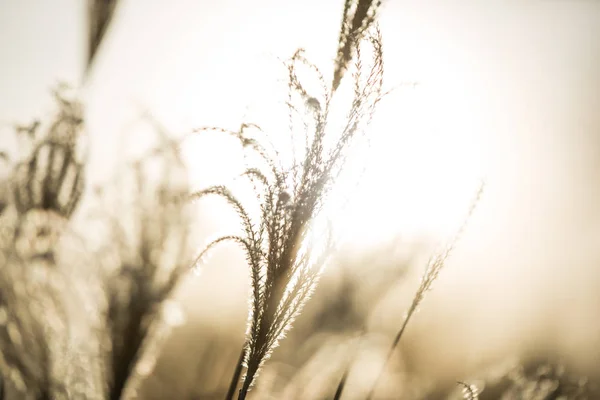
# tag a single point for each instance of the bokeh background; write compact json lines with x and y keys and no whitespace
{"x":509,"y":91}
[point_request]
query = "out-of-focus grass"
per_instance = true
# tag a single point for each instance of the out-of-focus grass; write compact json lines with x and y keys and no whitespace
{"x":364,"y":289}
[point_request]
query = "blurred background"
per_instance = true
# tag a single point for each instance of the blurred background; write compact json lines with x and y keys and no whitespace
{"x":506,"y":91}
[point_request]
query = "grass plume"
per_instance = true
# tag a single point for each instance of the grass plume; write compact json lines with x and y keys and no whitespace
{"x":283,"y":258}
{"x":149,"y":263}
{"x":49,"y":298}
{"x":358,"y":16}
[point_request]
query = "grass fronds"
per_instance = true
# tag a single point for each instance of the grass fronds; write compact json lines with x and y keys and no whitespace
{"x":48,"y":300}
{"x":358,"y":16}
{"x":51,"y":177}
{"x":150,"y":263}
{"x":279,"y":242}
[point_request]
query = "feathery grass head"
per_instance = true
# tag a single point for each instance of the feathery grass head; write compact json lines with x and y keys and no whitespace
{"x":50,"y":300}
{"x":284,"y":259}
{"x":51,"y":177}
{"x":46,"y":181}
{"x":358,"y":16}
{"x":150,"y":239}
{"x":438,"y":260}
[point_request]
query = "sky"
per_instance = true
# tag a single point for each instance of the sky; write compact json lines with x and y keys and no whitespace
{"x":506,"y":90}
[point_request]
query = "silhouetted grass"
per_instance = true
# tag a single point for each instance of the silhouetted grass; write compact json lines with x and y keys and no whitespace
{"x":83,"y":324}
{"x":284,"y":264}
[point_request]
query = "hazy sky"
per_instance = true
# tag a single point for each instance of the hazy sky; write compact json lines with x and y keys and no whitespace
{"x":506,"y":88}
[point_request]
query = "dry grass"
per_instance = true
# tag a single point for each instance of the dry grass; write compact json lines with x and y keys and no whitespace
{"x":284,"y":261}
{"x":70,"y":318}
{"x":80,"y":322}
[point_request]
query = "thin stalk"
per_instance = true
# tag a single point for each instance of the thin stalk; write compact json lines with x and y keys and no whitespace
{"x":434,"y":266}
{"x":410,"y":313}
{"x":244,"y":389}
{"x":236,"y":375}
{"x":342,"y":384}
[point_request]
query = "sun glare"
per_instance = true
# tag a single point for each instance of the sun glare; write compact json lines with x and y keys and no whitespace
{"x":420,"y":175}
{"x":417,"y":178}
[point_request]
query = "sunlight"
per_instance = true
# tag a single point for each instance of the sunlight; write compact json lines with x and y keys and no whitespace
{"x":417,"y":178}
{"x":420,"y":174}
{"x":421,"y":171}
{"x":217,"y":147}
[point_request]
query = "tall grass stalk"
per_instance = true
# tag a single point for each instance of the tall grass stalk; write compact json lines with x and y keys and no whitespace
{"x":235,"y":379}
{"x":432,"y":270}
{"x":284,"y":259}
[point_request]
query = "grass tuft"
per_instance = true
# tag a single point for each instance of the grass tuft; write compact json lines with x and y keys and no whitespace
{"x":284,"y":250}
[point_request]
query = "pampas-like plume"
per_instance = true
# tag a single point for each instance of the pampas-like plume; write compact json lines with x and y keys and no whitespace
{"x":51,"y":342}
{"x":70,"y":326}
{"x":52,"y":178}
{"x":357,"y":17}
{"x":284,"y":262}
{"x":150,"y":263}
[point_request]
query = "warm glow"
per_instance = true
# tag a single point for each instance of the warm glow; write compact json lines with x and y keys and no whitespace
{"x":421,"y":171}
{"x":501,"y":92}
{"x":420,"y":177}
